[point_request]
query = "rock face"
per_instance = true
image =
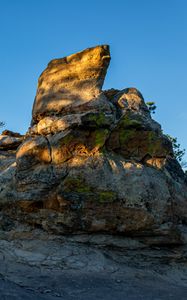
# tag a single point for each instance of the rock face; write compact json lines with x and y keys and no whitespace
{"x":69,"y":83}
{"x":92,"y":161}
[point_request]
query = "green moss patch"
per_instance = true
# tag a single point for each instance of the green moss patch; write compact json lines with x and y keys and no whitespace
{"x":99,"y":137}
{"x":96,"y":120}
{"x":86,"y":192}
{"x":73,"y":184}
{"x":125,"y":136}
{"x":106,"y":196}
{"x":154,"y":144}
{"x":129,"y":121}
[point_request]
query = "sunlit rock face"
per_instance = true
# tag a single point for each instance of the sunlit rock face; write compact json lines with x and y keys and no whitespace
{"x":67,"y":84}
{"x":93,"y":160}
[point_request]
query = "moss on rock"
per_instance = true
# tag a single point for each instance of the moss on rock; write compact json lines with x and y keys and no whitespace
{"x":106,"y":196}
{"x":99,"y":137}
{"x":96,"y":120}
{"x":125,"y":136}
{"x":74,"y":184}
{"x":129,"y":121}
{"x":87,"y":192}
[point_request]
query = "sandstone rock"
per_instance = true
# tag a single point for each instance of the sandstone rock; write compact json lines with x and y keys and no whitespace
{"x":7,"y":174}
{"x":135,"y":138}
{"x":92,"y":161}
{"x":7,"y":157}
{"x":70,"y":83}
{"x":53,"y":124}
{"x":77,"y":143}
{"x":10,"y":142}
{"x":11,"y":133}
{"x":129,"y":98}
{"x":33,"y":151}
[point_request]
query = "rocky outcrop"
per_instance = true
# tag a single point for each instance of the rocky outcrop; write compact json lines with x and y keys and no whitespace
{"x":92,"y":160}
{"x":10,"y":140}
{"x":71,"y":82}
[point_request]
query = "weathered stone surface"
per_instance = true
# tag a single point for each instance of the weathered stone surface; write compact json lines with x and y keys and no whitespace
{"x":33,"y":151}
{"x":71,"y":82}
{"x":77,"y":143}
{"x":92,"y":161}
{"x":11,"y":133}
{"x":134,"y":138}
{"x":10,"y":142}
{"x":7,"y":158}
{"x":7,"y":173}
{"x":53,"y":124}
{"x":129,"y":98}
{"x":42,"y":266}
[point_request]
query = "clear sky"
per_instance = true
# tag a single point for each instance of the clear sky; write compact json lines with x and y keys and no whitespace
{"x":148,"y":40}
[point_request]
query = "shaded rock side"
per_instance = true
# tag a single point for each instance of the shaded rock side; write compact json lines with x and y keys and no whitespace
{"x":93,"y":160}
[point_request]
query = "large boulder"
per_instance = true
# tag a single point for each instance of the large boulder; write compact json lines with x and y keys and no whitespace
{"x":9,"y":140}
{"x":93,"y":160}
{"x":69,"y":83}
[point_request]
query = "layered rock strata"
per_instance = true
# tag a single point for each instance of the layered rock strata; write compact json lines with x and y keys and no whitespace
{"x":92,"y":160}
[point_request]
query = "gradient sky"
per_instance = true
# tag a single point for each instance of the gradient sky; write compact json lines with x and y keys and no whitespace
{"x":148,"y":40}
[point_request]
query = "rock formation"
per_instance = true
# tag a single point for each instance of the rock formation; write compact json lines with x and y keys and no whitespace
{"x":93,"y":161}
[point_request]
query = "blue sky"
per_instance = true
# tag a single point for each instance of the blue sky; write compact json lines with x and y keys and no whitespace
{"x":148,"y":40}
